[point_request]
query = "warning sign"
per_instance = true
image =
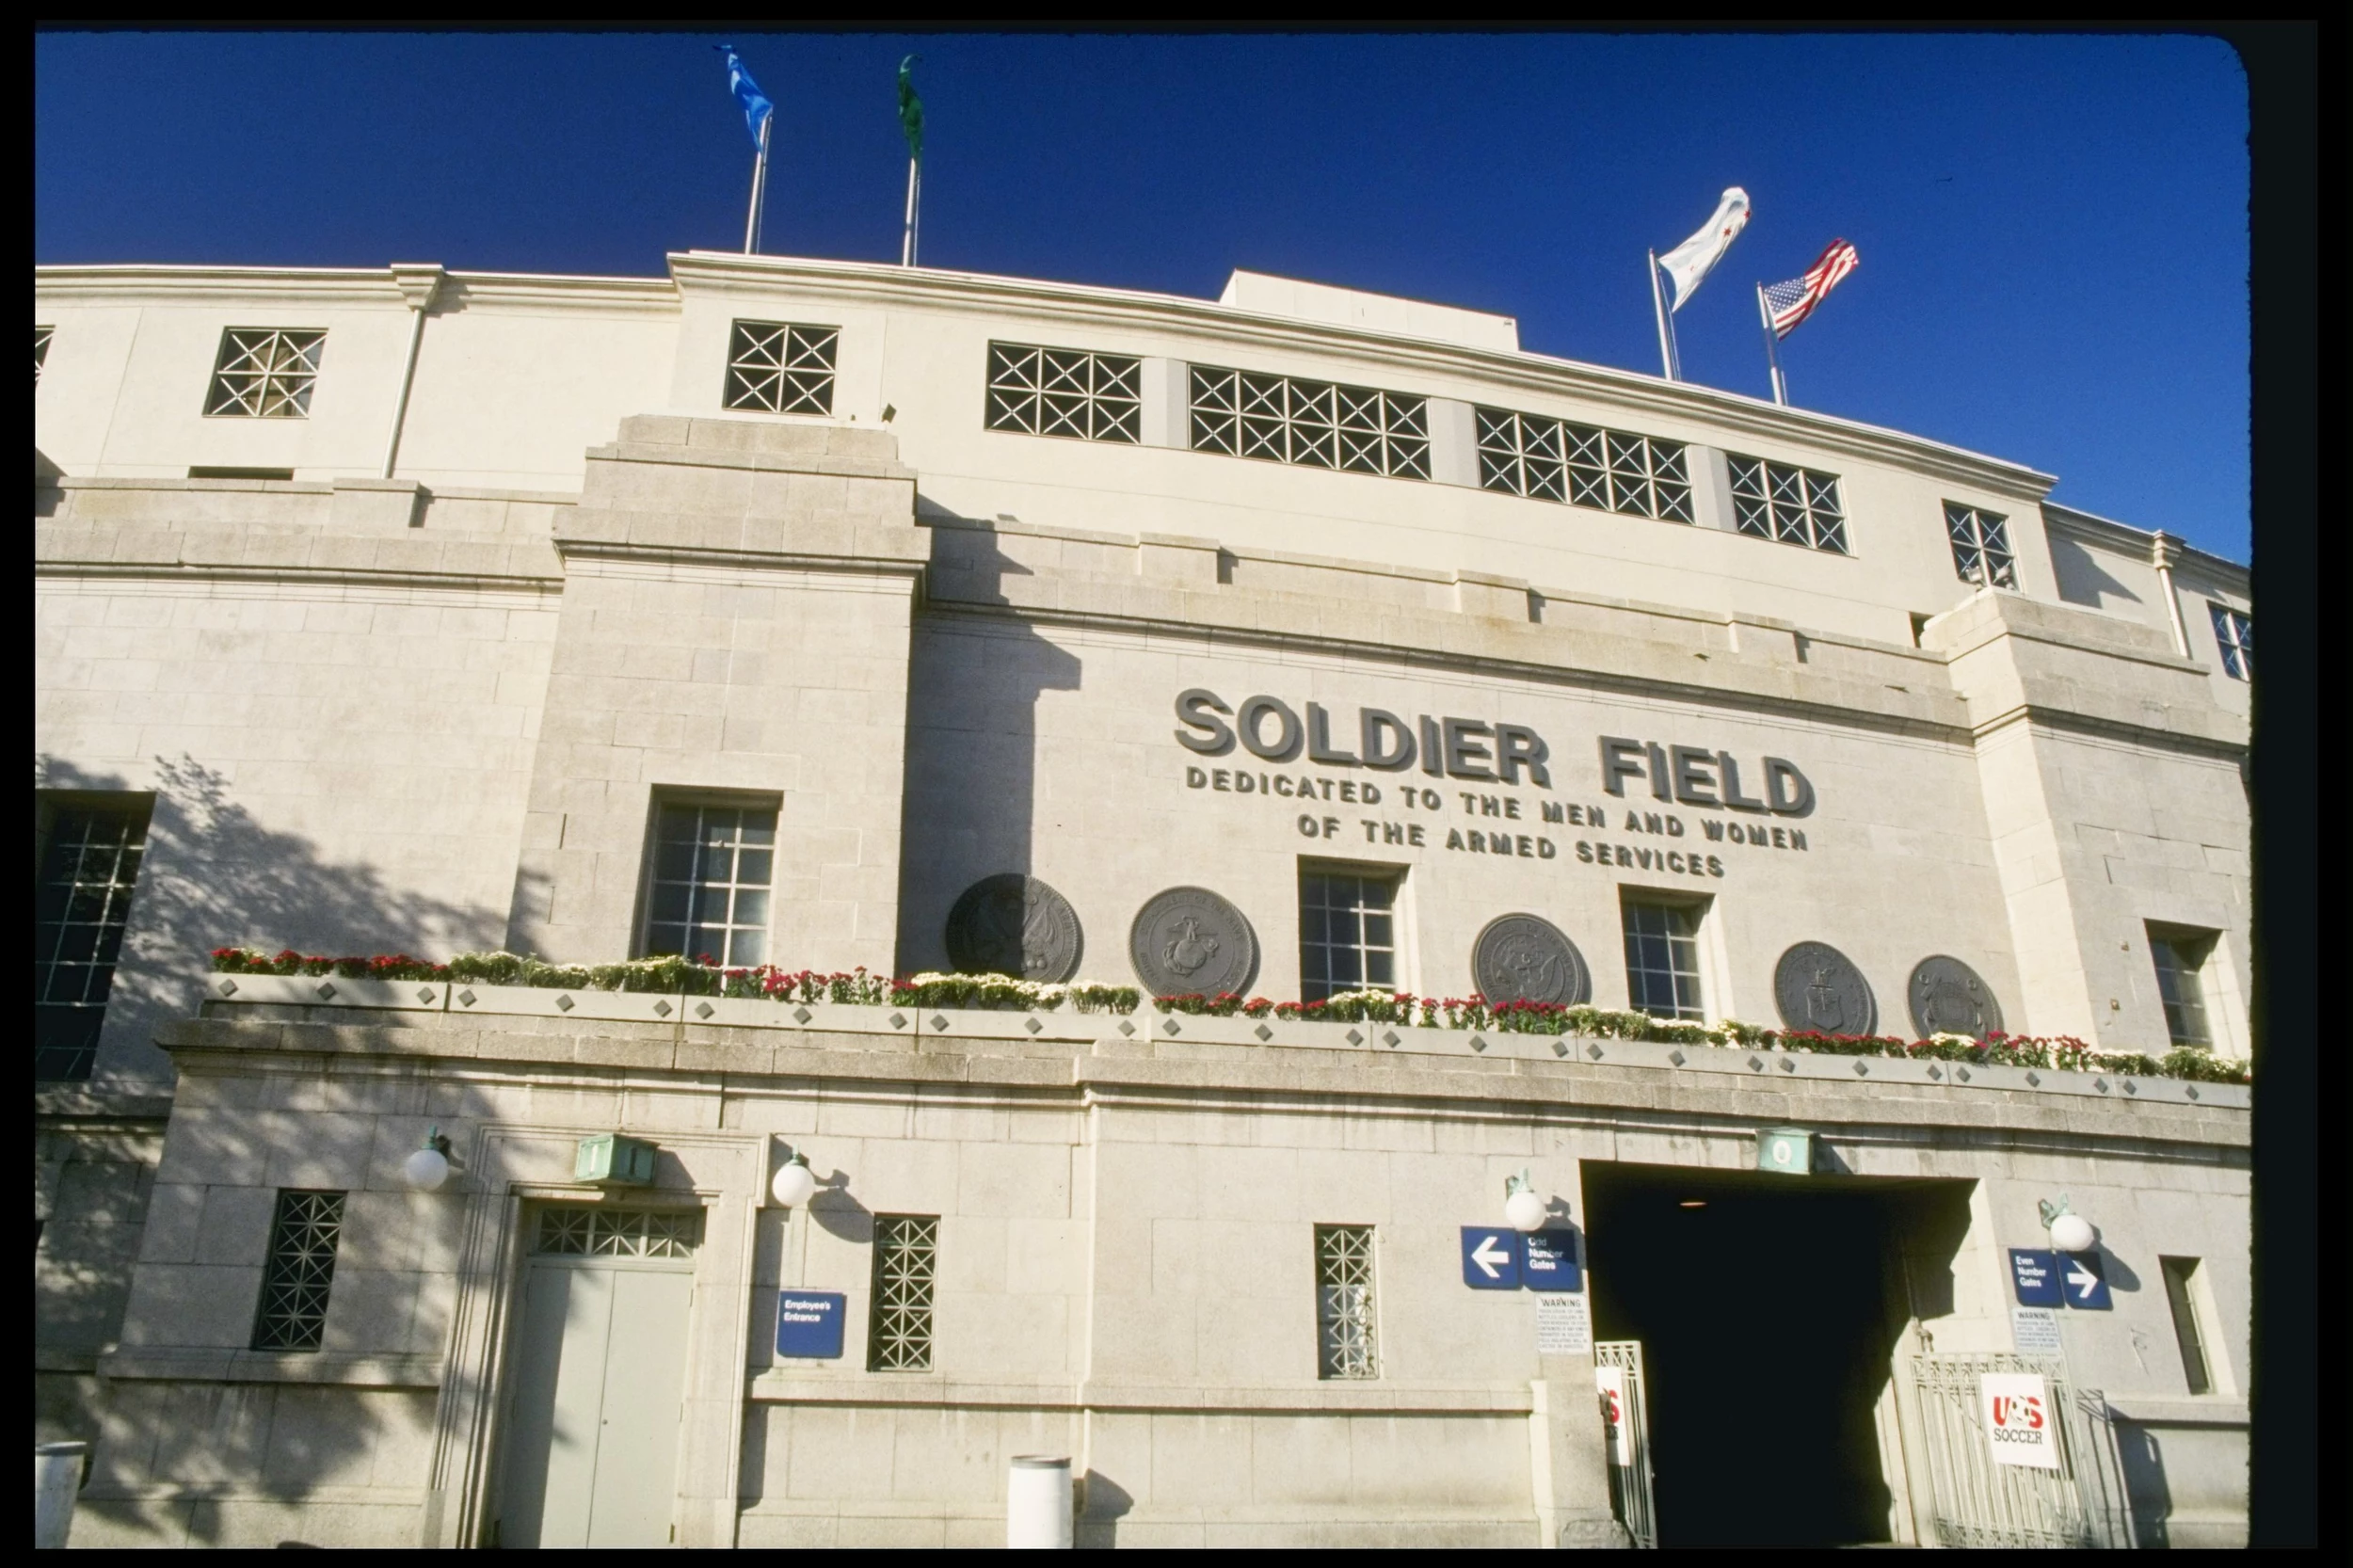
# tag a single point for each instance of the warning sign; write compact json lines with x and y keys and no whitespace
{"x":2020,"y":1420}
{"x":1564,"y":1326}
{"x":1610,"y":1382}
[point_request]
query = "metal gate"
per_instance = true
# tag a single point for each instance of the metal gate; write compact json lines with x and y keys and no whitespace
{"x":1979,"y":1503}
{"x":1629,"y":1483}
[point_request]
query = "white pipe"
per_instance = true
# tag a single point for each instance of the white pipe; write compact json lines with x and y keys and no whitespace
{"x":2163,"y":550}
{"x":57,"y":1482}
{"x":1037,"y":1503}
{"x":407,"y":377}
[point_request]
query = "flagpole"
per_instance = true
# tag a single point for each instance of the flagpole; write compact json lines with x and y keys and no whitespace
{"x":759,"y":186}
{"x":1772,"y":349}
{"x":1659,"y":304}
{"x":906,"y":245}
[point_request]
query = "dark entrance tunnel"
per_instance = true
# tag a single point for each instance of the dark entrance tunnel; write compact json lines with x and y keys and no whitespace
{"x":1767,"y":1308}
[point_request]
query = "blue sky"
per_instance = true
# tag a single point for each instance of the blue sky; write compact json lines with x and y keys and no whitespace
{"x":2053,"y":229}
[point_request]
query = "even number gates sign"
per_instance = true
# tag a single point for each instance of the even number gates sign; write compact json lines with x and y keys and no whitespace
{"x":2020,"y":1423}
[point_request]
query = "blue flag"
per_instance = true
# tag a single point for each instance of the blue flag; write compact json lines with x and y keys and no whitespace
{"x":755,"y":106}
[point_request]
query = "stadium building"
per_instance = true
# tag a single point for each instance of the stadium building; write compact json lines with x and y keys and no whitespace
{"x":1289,"y":647}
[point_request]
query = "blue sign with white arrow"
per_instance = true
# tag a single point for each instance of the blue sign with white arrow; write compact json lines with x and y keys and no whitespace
{"x":1491,"y":1259}
{"x":2034,"y":1273}
{"x":1548,"y":1261}
{"x":2085,"y":1282}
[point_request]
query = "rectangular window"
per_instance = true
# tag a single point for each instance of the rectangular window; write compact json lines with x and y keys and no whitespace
{"x":302,"y":1240}
{"x":708,"y":896}
{"x":2234,"y":634}
{"x":1794,"y":506}
{"x":1982,"y":552}
{"x":576,"y":1230}
{"x":907,"y":1262}
{"x":1065,"y":391}
{"x":1344,"y":1322}
{"x":81,"y":903}
{"x":1281,"y":419}
{"x":2181,"y":1288}
{"x":1347,"y":932}
{"x":1663,"y":964}
{"x":2179,"y":958}
{"x":1611,"y":470}
{"x":41,"y":349}
{"x":781,"y":367}
{"x":266,"y":373}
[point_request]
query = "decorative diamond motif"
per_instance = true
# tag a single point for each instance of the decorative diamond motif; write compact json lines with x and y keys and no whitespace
{"x":1478,"y":1042}
{"x":1559,"y":1047}
{"x":1171,"y":1028}
{"x":898,"y":1021}
{"x":2191,"y":1090}
{"x":940,"y":1020}
{"x":1788,"y":1064}
{"x":424,"y":993}
{"x":1033,"y":1025}
{"x":1355,"y":1038}
{"x":1593,"y":1051}
{"x":802,"y":1015}
{"x":563,"y":1003}
{"x":1263,"y":1033}
{"x":1390,"y":1038}
{"x":2131,"y":1088}
{"x":1756,"y":1063}
{"x":1677,"y":1057}
{"x":2100,"y":1084}
{"x":467,"y":997}
{"x":2034,"y":1080}
{"x":327,"y":990}
{"x":1961,"y":1073}
{"x":661,"y":1009}
{"x":1127,"y":1028}
{"x":1860,"y":1070}
{"x":228,"y":986}
{"x":1938,"y":1073}
{"x":704,"y":1010}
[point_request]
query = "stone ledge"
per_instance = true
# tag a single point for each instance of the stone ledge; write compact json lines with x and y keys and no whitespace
{"x":1382,"y":1398}
{"x":2151,"y":1412}
{"x":321,"y":1366}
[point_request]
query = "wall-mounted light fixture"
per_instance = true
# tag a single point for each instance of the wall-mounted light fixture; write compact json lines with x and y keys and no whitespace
{"x":427,"y":1170}
{"x":1524,"y":1207}
{"x":2070,"y":1231}
{"x":794,"y":1183}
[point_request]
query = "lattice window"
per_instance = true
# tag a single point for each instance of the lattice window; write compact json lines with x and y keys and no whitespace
{"x":302,"y":1241}
{"x":2234,"y":635}
{"x":709,"y":893}
{"x":266,"y":373}
{"x":1064,"y":392}
{"x":1982,"y":552}
{"x":781,"y":367}
{"x":906,"y":1264}
{"x":1662,"y":960}
{"x":1610,"y":470}
{"x":1281,"y":419}
{"x":81,"y":903}
{"x":1347,"y":932}
{"x":1794,"y":505}
{"x":1344,"y":1319}
{"x":576,"y":1230}
{"x":41,"y":349}
{"x":2180,"y":960}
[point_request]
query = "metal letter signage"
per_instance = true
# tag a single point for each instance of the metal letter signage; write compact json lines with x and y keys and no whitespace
{"x":1525,"y":958}
{"x":1816,"y":988}
{"x":809,"y":1324}
{"x":1189,"y":941}
{"x":1947,"y":998}
{"x":1015,"y":925}
{"x":1491,"y":1259}
{"x":2020,"y":1423}
{"x":2034,"y":1276}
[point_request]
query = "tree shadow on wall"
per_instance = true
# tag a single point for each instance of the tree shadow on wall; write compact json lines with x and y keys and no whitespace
{"x":213,"y":876}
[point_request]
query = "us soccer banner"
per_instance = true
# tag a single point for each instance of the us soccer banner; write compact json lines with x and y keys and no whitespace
{"x":2020,"y":1423}
{"x":1609,"y":1382}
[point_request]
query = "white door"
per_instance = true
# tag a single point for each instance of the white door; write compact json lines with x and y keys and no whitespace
{"x":598,"y":1380}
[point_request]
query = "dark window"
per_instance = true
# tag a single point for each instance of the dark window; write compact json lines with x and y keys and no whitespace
{"x":2181,"y":1282}
{"x":708,"y":896}
{"x":1064,"y":392}
{"x":1344,"y":1321}
{"x":906,"y":1264}
{"x":1980,"y":541}
{"x":1347,"y":932}
{"x":2180,"y":958}
{"x":266,"y":373}
{"x":81,"y":903}
{"x":1794,"y":505}
{"x":293,"y":1312}
{"x":1662,"y":966}
{"x":781,"y":367}
{"x":2234,"y":635}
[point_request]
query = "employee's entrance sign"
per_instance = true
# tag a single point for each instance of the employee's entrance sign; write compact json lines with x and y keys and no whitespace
{"x":2020,"y":1423}
{"x":1609,"y":1382}
{"x":809,"y":1324}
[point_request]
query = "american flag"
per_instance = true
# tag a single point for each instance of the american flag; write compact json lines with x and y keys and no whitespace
{"x":1793,"y":301}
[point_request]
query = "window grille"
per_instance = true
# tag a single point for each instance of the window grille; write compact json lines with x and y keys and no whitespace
{"x":1064,"y":392}
{"x":907,"y":1262}
{"x":80,"y":903}
{"x":293,"y":1314}
{"x":1344,"y":1322}
{"x":2234,"y":634}
{"x":709,"y":893}
{"x":575,"y":1230}
{"x":1281,"y":419}
{"x":1982,"y":552}
{"x":266,"y":373}
{"x":781,"y":367}
{"x":1611,"y":470}
{"x":1347,"y":932}
{"x":2179,"y":960}
{"x":1662,"y":969}
{"x":2179,"y":1272}
{"x":41,"y":349}
{"x":1794,"y":505}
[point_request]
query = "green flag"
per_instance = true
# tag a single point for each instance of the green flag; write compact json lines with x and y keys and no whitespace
{"x":910,"y":109}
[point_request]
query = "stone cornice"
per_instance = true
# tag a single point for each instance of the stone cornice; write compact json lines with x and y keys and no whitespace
{"x":144,"y":284}
{"x":2140,"y":543}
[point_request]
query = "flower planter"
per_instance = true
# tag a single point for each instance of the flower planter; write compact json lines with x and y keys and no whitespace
{"x":306,"y":990}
